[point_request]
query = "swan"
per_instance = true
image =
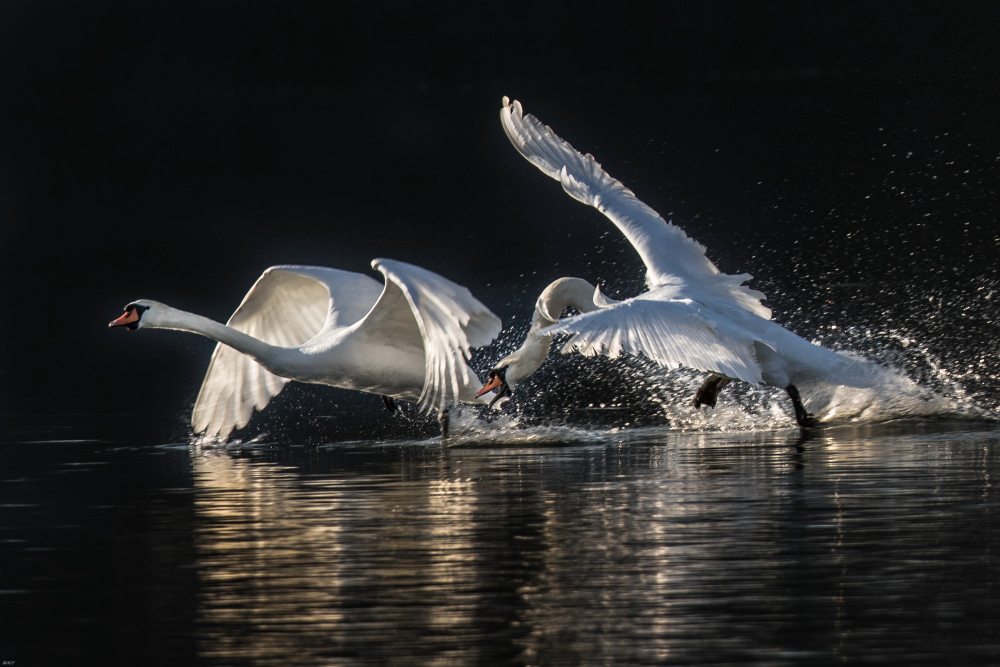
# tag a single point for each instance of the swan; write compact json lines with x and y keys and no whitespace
{"x":691,"y":314}
{"x":409,"y":339}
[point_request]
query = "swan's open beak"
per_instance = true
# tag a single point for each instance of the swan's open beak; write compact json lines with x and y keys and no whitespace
{"x":131,"y":316}
{"x":494,"y":382}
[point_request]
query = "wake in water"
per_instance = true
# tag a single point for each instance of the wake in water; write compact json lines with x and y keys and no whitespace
{"x":932,"y":341}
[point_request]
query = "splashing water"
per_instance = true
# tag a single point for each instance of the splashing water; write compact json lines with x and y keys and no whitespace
{"x":933,"y":344}
{"x":894,"y":396}
{"x":585,"y":393}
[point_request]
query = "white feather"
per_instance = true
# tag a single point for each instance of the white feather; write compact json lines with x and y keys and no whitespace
{"x":410,"y":339}
{"x":671,"y":333}
{"x":286,"y":307}
{"x":451,"y":321}
{"x":692,"y":315}
{"x":670,"y":256}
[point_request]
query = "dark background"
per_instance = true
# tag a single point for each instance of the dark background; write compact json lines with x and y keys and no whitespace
{"x":846,"y":154}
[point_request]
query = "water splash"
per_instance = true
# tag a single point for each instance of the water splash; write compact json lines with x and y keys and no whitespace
{"x":587,"y":394}
{"x":934,"y":343}
{"x":894,"y":396}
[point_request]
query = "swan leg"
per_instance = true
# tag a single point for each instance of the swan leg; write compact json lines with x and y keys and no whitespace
{"x":390,"y":404}
{"x":802,"y":416}
{"x":443,"y":418}
{"x":708,"y":392}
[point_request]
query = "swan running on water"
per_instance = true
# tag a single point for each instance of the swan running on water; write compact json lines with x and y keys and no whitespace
{"x":691,"y":314}
{"x":409,"y":339}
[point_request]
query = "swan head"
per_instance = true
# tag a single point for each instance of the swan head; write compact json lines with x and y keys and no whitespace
{"x":496,"y":380}
{"x":137,"y":314}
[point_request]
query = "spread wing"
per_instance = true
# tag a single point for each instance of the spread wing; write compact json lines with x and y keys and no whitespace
{"x":671,"y":333}
{"x":421,"y":308}
{"x":671,"y":256}
{"x":287,"y":306}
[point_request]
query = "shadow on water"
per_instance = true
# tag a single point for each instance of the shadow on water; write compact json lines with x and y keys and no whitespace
{"x":627,"y":546}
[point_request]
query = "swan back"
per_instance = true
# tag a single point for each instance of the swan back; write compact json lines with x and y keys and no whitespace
{"x":286,"y":307}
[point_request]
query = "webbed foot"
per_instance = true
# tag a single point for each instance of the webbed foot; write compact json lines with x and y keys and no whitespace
{"x":708,"y":392}
{"x":802,"y":416}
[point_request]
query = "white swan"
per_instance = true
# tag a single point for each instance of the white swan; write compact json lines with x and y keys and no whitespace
{"x":409,"y":339}
{"x":691,"y":314}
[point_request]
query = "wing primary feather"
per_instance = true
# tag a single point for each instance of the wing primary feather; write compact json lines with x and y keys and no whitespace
{"x":451,"y":321}
{"x":670,"y":255}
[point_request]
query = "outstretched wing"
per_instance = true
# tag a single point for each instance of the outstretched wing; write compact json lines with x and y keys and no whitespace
{"x":287,"y":306}
{"x":671,"y":333}
{"x":671,"y":256}
{"x":419,"y":307}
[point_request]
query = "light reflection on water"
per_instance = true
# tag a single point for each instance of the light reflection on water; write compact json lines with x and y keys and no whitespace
{"x":645,"y":549}
{"x":645,"y":546}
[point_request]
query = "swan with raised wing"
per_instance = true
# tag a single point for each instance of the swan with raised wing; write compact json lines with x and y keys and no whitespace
{"x":691,"y":314}
{"x":409,"y":339}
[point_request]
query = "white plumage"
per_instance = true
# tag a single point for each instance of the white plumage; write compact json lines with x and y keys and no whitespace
{"x":692,"y":314}
{"x":408,"y":339}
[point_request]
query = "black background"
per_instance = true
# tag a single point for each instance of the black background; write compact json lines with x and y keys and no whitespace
{"x":174,"y":150}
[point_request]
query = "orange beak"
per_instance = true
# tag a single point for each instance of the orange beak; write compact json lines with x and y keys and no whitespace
{"x":494,"y":382}
{"x":129,"y":317}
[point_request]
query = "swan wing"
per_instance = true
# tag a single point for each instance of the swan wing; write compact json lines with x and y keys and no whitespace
{"x":287,"y":306}
{"x":670,"y":255}
{"x":420,"y":308}
{"x":672,"y":333}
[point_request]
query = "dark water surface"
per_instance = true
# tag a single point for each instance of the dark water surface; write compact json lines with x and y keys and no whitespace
{"x":867,"y":544}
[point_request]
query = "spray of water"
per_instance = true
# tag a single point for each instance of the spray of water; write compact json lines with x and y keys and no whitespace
{"x":925,"y":369}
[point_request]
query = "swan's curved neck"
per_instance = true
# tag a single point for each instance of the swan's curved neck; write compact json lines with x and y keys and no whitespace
{"x":266,"y":354}
{"x":565,"y":293}
{"x":554,"y":299}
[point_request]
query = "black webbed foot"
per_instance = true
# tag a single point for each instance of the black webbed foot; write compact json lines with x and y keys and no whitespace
{"x":708,"y":392}
{"x":802,"y":416}
{"x":389,"y":404}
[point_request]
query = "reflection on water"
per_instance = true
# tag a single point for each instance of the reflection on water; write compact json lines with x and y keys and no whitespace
{"x":633,"y":547}
{"x":645,"y":549}
{"x":296,"y":570}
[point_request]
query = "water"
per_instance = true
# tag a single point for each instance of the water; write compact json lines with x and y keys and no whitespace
{"x":553,"y":546}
